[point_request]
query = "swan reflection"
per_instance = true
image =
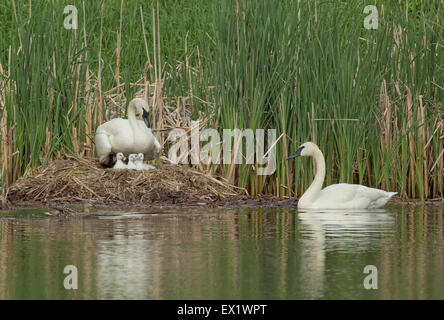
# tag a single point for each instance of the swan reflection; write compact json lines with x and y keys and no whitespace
{"x":340,"y":231}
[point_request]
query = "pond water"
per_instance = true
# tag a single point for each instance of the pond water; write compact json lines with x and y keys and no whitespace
{"x":268,"y":253}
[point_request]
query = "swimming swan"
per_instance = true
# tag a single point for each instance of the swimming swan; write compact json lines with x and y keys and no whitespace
{"x":119,"y":163}
{"x":336,"y":196}
{"x":127,"y":135}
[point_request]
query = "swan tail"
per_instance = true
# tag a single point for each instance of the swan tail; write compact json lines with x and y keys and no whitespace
{"x":157,"y":146}
{"x":391,"y":194}
{"x":104,"y":150}
{"x":382,"y":201}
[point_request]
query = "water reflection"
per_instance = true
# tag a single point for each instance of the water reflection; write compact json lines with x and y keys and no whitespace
{"x":224,"y":254}
{"x":325,"y":231}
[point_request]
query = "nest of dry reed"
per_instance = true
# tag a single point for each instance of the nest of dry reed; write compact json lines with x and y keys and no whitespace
{"x":72,"y":181}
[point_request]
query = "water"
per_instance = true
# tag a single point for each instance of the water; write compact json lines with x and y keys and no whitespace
{"x":224,"y":254}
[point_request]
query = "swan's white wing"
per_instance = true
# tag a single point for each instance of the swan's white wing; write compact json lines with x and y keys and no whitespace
{"x":117,"y":136}
{"x":338,"y":192}
{"x":351,"y":196}
{"x":115,"y":127}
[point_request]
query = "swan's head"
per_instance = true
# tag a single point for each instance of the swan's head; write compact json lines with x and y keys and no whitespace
{"x":140,"y":156}
{"x":119,"y":156}
{"x":132,"y":157}
{"x":141,"y":107}
{"x":305,"y":150}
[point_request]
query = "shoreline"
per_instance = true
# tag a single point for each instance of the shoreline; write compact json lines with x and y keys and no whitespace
{"x":72,"y":183}
{"x":232,"y":203}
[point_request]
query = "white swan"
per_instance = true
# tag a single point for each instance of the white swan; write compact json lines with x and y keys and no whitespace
{"x":119,"y":163}
{"x":139,"y":161}
{"x":336,"y":196}
{"x":148,"y":167}
{"x":127,"y":135}
{"x":132,"y":161}
{"x":142,"y":166}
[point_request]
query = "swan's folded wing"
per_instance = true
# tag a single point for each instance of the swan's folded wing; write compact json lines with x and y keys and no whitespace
{"x":353,"y":196}
{"x":114,"y":127}
{"x":337,"y":193}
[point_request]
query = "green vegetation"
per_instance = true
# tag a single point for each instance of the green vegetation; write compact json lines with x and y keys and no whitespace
{"x":288,"y":65}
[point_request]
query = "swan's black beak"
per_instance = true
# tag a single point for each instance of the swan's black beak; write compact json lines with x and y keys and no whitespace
{"x":146,"y":116}
{"x":297,"y":153}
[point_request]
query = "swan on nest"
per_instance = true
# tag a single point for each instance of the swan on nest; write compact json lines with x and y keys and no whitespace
{"x":119,"y":163}
{"x":132,"y":161}
{"x":142,"y":166}
{"x":139,"y":161}
{"x":336,"y":196}
{"x":127,"y":135}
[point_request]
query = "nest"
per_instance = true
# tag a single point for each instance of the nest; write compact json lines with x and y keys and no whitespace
{"x":71,"y":180}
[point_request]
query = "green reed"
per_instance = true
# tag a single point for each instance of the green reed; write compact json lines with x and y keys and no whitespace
{"x":371,"y":99}
{"x":312,"y":71}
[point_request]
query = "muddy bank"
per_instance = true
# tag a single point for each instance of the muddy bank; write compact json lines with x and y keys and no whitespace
{"x":231,"y":203}
{"x":72,"y":182}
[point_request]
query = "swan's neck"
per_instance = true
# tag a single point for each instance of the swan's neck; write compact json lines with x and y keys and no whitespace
{"x":310,"y":194}
{"x":132,"y":116}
